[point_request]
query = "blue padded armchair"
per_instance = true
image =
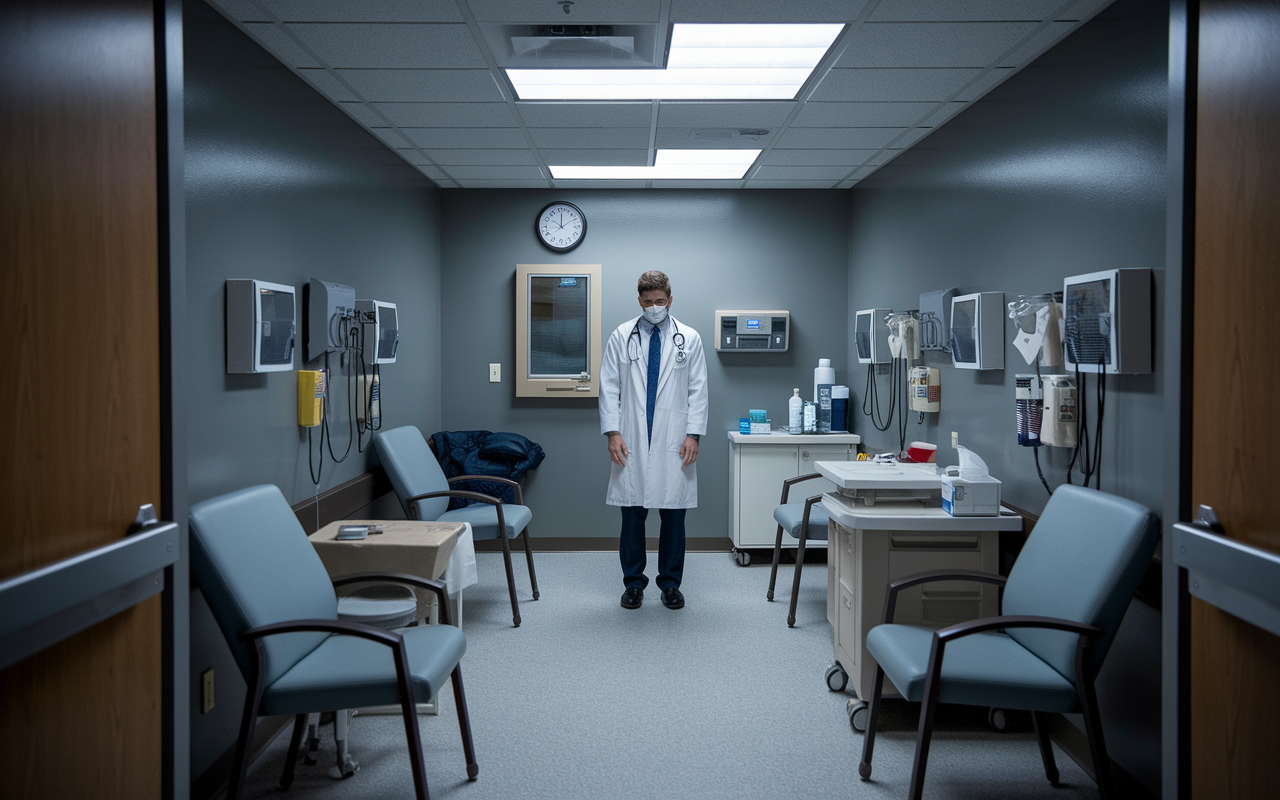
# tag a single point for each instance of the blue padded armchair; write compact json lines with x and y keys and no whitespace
{"x":807,"y":520}
{"x":1063,"y":602}
{"x":276,"y":607}
{"x":424,"y":492}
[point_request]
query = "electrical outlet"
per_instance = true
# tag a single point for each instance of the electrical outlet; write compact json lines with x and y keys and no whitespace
{"x":206,"y":691}
{"x":495,"y":373}
{"x":955,"y":438}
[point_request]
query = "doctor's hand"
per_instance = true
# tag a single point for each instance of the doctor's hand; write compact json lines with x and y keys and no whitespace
{"x":618,"y":450}
{"x":689,"y":451}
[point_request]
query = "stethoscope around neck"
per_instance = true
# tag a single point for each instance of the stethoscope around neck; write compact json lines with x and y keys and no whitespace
{"x":677,"y":339}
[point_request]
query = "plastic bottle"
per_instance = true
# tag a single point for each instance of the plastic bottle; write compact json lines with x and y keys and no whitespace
{"x":795,"y":413}
{"x":823,"y":377}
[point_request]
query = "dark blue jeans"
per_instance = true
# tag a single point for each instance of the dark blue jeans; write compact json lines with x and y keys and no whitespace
{"x":670,"y":547}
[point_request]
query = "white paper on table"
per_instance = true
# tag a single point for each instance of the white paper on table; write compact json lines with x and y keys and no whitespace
{"x":461,"y":570}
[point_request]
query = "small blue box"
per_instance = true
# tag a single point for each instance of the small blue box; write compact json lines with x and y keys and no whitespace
{"x":759,"y":415}
{"x":744,"y":425}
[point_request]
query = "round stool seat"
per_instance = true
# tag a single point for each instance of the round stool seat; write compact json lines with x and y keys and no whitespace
{"x":386,"y":605}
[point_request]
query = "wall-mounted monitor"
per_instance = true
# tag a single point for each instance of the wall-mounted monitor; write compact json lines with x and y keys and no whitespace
{"x":558,"y":347}
{"x":977,"y":330}
{"x":1107,"y":321}
{"x":753,"y":331}
{"x":261,"y":326}
{"x":871,"y":336}
{"x":381,"y":335}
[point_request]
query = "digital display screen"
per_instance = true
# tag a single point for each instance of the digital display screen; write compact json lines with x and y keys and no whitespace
{"x":753,"y":324}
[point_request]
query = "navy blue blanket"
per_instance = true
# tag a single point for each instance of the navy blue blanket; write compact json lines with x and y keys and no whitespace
{"x":503,"y":455}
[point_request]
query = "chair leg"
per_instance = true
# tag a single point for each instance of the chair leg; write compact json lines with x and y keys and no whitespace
{"x":511,"y":577}
{"x":869,"y":737}
{"x":1046,"y":749}
{"x":923,"y":735}
{"x":528,"y":554}
{"x":795,"y":581}
{"x":295,"y":742}
{"x":409,"y":710}
{"x":1097,"y":747}
{"x":252,"y":700}
{"x":777,"y":554}
{"x":464,"y":724}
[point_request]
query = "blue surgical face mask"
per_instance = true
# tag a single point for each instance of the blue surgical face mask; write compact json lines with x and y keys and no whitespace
{"x":655,"y":314}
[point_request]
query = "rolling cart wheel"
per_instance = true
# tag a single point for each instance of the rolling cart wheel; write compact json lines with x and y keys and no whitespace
{"x":743,"y":558}
{"x":837,"y":678}
{"x":998,"y":719}
{"x":857,"y":711}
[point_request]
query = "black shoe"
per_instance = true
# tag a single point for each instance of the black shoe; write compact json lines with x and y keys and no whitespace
{"x":632,"y":597}
{"x":671,"y":598}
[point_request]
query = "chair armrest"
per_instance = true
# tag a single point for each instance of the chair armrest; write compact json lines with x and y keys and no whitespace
{"x":507,"y":481}
{"x":789,"y":482}
{"x":401,"y":577}
{"x":962,"y":629}
{"x":483,"y":498}
{"x":891,"y":599}
{"x":808,"y":509}
{"x":380,"y":635}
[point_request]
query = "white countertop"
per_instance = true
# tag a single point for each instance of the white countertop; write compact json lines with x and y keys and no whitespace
{"x":777,"y":437}
{"x":872,"y":475}
{"x":914,"y":517}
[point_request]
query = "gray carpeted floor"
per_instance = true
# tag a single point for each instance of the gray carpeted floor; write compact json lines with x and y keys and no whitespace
{"x":716,"y":700}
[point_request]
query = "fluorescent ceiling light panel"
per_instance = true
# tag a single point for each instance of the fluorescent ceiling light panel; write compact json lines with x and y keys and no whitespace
{"x":706,"y":62}
{"x":671,"y":164}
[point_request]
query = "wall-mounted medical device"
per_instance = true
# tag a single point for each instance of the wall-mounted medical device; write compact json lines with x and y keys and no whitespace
{"x":753,"y":331}
{"x":331,"y":311}
{"x":558,"y":345}
{"x":925,"y":394}
{"x":381,"y":330}
{"x":871,"y":336}
{"x":935,"y":319}
{"x":1107,"y":321}
{"x":977,"y":330}
{"x":1058,"y":422}
{"x":261,"y":326}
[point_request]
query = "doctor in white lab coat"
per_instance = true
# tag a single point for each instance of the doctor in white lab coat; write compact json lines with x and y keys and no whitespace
{"x":653,"y":408}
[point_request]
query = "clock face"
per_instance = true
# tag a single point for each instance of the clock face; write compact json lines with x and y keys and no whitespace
{"x":561,"y":226}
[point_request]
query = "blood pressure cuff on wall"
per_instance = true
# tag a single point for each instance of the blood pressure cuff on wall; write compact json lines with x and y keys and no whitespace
{"x":503,"y":455}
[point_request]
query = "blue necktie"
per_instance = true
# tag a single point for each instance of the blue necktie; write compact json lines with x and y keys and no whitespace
{"x":651,"y":382}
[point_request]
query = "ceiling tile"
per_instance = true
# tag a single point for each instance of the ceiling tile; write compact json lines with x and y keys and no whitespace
{"x":363,"y":11}
{"x":828,"y":174}
{"x":574,"y":138}
{"x":595,"y":157}
{"x":791,"y":184}
{"x":984,"y":84}
{"x":465,"y":138}
{"x":912,"y":136}
{"x":942,"y":113}
{"x":448,"y":115}
{"x":490,"y":156}
{"x":464,"y":173}
{"x":476,"y":183}
{"x":683,"y":139}
{"x":766,"y":10}
{"x":423,"y":85}
{"x":383,"y":46}
{"x":861,"y":115}
{"x":585,"y":115}
{"x":413,"y":156}
{"x":580,"y":13}
{"x":863,"y":172}
{"x":242,"y":10}
{"x":391,"y":136}
{"x":1037,"y":44}
{"x":363,"y":114}
{"x":906,"y":85}
{"x":818,"y":158}
{"x":838,"y":138}
{"x":599,"y":184}
{"x":884,"y":156}
{"x":280,"y":44}
{"x":329,"y":86}
{"x":968,"y":11}
{"x":673,"y":114}
{"x":434,"y":173}
{"x":689,"y":184}
{"x":932,"y":44}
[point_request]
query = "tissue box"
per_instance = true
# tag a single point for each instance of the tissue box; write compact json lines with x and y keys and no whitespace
{"x":760,"y":427}
{"x":971,"y":497}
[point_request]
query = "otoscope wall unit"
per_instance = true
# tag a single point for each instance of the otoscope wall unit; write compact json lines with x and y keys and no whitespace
{"x":261,"y":326}
{"x":977,"y":330}
{"x":1107,"y":321}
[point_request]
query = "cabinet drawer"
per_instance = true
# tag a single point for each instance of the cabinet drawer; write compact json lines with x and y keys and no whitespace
{"x":944,"y":602}
{"x":847,"y":624}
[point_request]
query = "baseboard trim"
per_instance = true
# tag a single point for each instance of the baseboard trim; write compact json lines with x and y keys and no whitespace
{"x":1075,"y":744}
{"x":343,"y":500}
{"x":602,"y":544}
{"x":214,"y":782}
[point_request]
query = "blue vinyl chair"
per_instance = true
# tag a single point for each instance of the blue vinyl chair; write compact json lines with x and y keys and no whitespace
{"x":1063,"y":602}
{"x":424,"y":492}
{"x":804,"y":521}
{"x":276,"y":607}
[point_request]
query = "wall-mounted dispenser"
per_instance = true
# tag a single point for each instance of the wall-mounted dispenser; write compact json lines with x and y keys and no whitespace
{"x":1107,"y":321}
{"x":753,"y":331}
{"x":871,"y":336}
{"x":261,"y":326}
{"x":935,"y":319}
{"x":331,"y":310}
{"x":381,"y":331}
{"x":977,"y":330}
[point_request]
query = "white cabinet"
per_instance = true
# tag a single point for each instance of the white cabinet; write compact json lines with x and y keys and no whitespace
{"x":759,"y":463}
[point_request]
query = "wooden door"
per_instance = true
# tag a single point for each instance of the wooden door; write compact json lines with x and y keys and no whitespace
{"x":80,"y":436}
{"x":1235,"y":667}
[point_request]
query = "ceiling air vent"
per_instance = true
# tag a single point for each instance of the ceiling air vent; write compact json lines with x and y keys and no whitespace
{"x":727,"y":134}
{"x":572,"y":46}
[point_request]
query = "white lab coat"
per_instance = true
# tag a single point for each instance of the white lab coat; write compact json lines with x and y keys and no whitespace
{"x":654,"y":476}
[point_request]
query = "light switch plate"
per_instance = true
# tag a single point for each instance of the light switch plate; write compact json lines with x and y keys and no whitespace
{"x":495,"y":373}
{"x":955,"y":438}
{"x":206,"y":691}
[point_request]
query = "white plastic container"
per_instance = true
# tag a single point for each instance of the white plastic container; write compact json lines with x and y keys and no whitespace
{"x":823,"y":373}
{"x":795,"y":413}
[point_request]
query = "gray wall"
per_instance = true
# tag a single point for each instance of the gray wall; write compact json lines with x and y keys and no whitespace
{"x":1059,"y":171}
{"x":721,"y":249}
{"x":283,"y":186}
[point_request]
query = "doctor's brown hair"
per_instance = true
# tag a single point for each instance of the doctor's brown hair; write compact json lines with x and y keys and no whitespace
{"x":653,"y":281}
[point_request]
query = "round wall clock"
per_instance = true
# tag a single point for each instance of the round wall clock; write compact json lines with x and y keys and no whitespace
{"x":561,"y":226}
